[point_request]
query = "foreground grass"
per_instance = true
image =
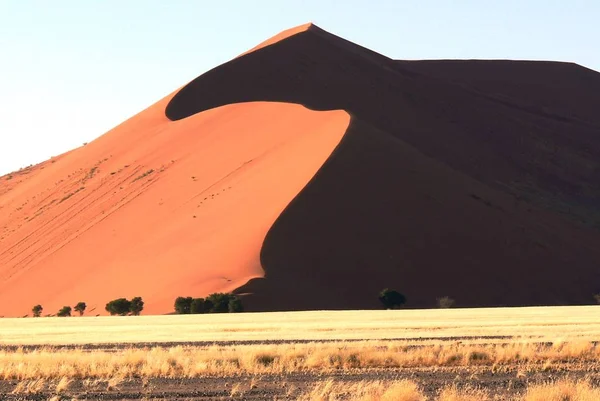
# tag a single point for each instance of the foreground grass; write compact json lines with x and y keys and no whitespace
{"x":191,"y":362}
{"x":406,"y":390}
{"x":330,"y":390}
{"x":541,"y":323}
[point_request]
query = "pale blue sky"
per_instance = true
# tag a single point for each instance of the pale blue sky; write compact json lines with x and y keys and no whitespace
{"x":71,"y":70}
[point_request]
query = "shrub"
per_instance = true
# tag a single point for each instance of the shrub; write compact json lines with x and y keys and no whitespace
{"x":80,"y":308}
{"x":64,"y":311}
{"x":597,"y":298}
{"x":391,"y":299}
{"x":445,"y":302}
{"x":220,"y":303}
{"x":208,"y":305}
{"x":183,"y":305}
{"x":198,"y":306}
{"x":235,"y":305}
{"x":37,"y":310}
{"x":120,"y":306}
{"x":136,"y":306}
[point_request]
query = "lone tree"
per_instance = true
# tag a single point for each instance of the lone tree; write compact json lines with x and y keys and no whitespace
{"x":37,"y":310}
{"x":391,"y":299}
{"x":136,"y":306}
{"x":64,"y":311}
{"x":183,"y":305}
{"x":198,"y":306}
{"x":119,"y":306}
{"x":80,"y":308}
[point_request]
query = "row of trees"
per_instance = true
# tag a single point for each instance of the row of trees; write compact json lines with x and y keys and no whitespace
{"x":63,"y":312}
{"x":214,"y":303}
{"x":120,"y":306}
{"x":123,"y":306}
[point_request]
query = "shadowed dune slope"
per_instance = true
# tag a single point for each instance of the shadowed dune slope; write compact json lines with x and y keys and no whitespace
{"x":311,"y":173}
{"x":477,"y":184}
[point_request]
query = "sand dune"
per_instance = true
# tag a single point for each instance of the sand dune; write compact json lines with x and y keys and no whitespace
{"x":97,"y":224}
{"x":322,"y":172}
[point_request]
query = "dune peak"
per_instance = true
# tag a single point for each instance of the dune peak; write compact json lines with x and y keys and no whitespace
{"x":282,"y":36}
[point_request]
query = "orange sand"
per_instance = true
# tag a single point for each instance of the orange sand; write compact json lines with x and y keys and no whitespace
{"x":193,"y":226}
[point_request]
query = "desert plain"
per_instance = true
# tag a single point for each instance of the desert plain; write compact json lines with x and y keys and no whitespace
{"x":468,"y":354}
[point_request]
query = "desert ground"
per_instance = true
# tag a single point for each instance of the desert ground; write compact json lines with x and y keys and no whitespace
{"x":530,"y":354}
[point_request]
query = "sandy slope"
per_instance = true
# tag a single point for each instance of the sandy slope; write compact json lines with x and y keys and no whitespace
{"x":192,"y":226}
{"x":451,"y":179}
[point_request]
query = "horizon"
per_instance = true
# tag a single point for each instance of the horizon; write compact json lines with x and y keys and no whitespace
{"x":69,"y":79}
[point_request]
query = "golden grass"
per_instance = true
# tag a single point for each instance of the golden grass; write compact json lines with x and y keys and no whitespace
{"x":191,"y":361}
{"x":542,"y":323}
{"x":455,"y":393}
{"x":564,"y":390}
{"x":406,"y":390}
{"x":403,"y":390}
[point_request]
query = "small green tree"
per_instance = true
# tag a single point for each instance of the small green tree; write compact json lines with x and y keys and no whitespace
{"x":197,"y":306}
{"x":37,"y":310}
{"x":391,"y":299}
{"x":64,"y":311}
{"x":136,"y":306}
{"x":183,"y":305}
{"x":119,"y":306}
{"x":235,"y":305}
{"x":80,"y":308}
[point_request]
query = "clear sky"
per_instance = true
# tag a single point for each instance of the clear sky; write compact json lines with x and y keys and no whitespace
{"x":72,"y":69}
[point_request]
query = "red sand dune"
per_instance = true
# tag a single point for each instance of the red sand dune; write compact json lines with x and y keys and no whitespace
{"x":311,"y":173}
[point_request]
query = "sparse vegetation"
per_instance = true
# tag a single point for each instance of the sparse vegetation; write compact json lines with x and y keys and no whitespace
{"x":64,"y":311}
{"x":80,"y":308}
{"x":37,"y":310}
{"x":139,"y":177}
{"x":391,"y":299}
{"x":445,"y":302}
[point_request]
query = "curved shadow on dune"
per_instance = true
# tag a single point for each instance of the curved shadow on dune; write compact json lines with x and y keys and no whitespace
{"x":479,"y":122}
{"x":420,"y":193}
{"x":380,"y":214}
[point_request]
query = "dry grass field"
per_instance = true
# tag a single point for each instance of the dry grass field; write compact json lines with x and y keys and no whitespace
{"x":538,"y":323}
{"x":525,"y":354}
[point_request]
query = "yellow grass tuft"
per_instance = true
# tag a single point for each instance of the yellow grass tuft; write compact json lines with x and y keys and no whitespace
{"x":462,"y":394}
{"x":403,"y":390}
{"x":63,"y":384}
{"x":564,"y":390}
{"x":29,"y":386}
